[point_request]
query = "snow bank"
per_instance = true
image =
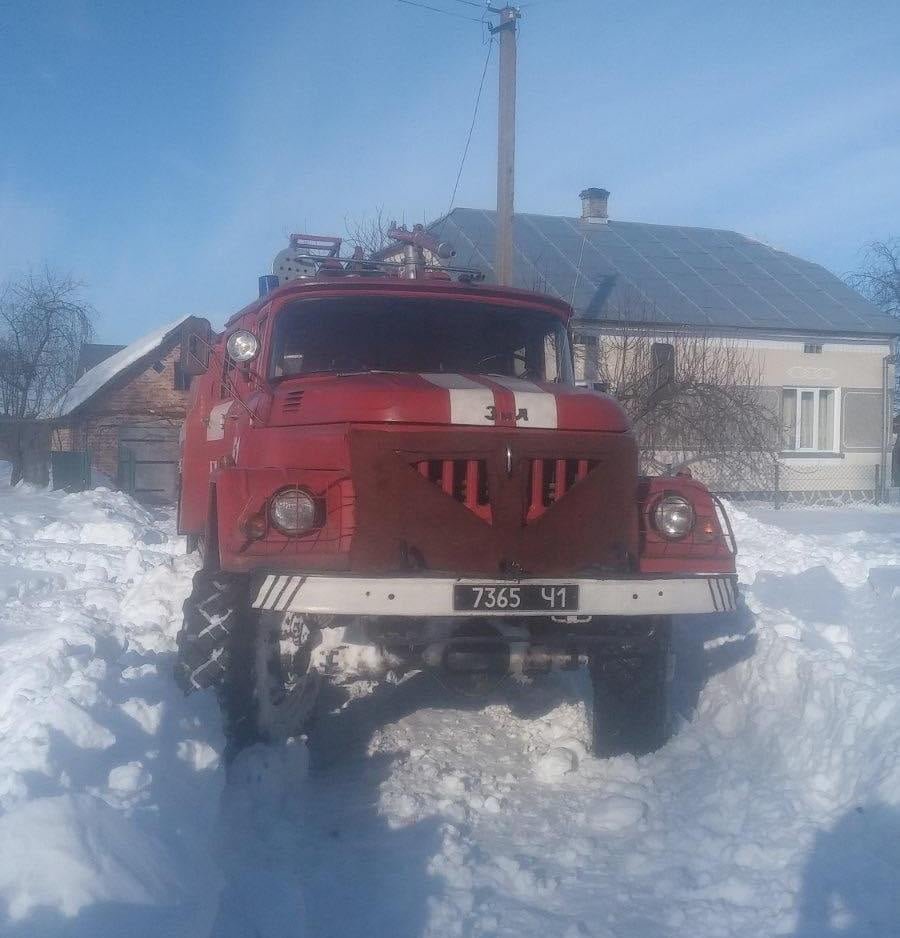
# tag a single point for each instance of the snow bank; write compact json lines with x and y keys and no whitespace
{"x":87,"y":853}
{"x":109,"y":779}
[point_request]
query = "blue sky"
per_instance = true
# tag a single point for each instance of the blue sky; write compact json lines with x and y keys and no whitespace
{"x":162,"y":152}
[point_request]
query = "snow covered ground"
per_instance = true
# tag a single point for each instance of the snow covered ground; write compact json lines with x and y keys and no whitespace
{"x":775,"y":809}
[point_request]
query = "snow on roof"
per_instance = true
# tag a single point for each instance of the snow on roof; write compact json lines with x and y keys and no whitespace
{"x":100,"y":375}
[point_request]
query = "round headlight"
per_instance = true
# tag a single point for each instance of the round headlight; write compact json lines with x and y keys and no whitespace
{"x":242,"y":346}
{"x":293,"y":511}
{"x":674,"y":516}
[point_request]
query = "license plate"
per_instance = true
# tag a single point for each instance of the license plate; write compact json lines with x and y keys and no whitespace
{"x":530,"y":598}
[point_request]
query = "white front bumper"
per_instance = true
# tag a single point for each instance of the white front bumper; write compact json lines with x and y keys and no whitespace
{"x":433,"y":596}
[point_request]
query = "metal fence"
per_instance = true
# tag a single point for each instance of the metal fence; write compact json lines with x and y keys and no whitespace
{"x":838,"y":484}
{"x":835,"y":482}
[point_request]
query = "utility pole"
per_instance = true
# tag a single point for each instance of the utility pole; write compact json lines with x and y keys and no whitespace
{"x":506,"y":142}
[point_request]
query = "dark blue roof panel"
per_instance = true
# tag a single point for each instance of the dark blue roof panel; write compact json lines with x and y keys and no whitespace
{"x":630,"y":271}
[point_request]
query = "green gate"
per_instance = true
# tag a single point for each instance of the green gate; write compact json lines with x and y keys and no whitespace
{"x":71,"y":471}
{"x":148,"y":462}
{"x":125,"y":470}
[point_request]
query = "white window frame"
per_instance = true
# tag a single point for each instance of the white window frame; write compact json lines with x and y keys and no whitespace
{"x":835,"y":431}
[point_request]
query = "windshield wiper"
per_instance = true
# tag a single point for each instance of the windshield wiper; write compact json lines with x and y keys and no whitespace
{"x":496,"y":374}
{"x":324,"y":371}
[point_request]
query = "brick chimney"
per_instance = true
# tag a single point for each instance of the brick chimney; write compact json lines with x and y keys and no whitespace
{"x":594,"y":203}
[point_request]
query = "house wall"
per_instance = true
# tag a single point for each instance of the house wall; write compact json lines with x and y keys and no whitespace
{"x":852,"y":369}
{"x":837,"y":365}
{"x":147,"y":399}
{"x":855,"y":372}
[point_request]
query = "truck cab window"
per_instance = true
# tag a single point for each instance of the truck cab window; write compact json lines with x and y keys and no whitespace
{"x":419,"y":335}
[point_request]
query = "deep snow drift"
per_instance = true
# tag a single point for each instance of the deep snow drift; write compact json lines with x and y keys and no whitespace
{"x":775,"y":809}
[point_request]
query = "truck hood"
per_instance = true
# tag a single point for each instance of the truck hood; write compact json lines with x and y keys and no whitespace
{"x":450,"y":399}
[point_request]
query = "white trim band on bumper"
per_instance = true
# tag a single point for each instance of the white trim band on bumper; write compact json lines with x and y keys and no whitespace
{"x":433,"y":596}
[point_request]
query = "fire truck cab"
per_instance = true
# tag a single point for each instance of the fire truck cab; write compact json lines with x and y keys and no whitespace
{"x":402,"y":447}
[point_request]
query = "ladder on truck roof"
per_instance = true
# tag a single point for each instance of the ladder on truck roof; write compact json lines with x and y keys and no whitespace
{"x":309,"y":256}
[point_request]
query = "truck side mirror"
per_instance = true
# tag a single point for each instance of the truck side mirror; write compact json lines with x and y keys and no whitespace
{"x":196,"y":343}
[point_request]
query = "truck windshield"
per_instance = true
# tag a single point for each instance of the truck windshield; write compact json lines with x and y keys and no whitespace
{"x":377,"y":333}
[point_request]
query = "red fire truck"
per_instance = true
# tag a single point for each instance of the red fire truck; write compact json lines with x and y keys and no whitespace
{"x":403,"y":447}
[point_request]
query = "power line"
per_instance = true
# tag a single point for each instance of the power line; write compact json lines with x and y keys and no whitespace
{"x":425,"y":6}
{"x":578,"y":270}
{"x":462,"y":162}
{"x":472,"y":3}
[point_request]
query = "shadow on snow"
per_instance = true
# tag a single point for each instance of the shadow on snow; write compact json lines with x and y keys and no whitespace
{"x":851,"y":884}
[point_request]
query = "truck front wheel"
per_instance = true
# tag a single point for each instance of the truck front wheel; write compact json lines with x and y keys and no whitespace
{"x":211,"y":615}
{"x":631,"y":681}
{"x":259,"y":663}
{"x":270,"y":687}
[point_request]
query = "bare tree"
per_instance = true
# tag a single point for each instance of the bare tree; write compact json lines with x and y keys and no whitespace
{"x":43,"y":323}
{"x":878,"y":279}
{"x":369,"y":232}
{"x":694,"y":400}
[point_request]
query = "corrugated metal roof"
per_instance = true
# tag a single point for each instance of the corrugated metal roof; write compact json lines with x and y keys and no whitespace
{"x":669,"y":274}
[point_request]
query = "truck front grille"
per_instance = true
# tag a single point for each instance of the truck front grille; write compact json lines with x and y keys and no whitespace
{"x":464,"y":480}
{"x":550,"y":479}
{"x":476,"y":503}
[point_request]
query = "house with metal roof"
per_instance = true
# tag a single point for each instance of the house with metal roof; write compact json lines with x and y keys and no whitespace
{"x":825,"y":351}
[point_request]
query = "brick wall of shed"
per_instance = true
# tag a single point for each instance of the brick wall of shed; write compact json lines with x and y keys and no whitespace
{"x":148,"y":399}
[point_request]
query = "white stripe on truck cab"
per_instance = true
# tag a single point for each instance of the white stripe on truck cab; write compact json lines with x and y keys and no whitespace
{"x":471,"y":403}
{"x":539,"y":405}
{"x":215,"y":429}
